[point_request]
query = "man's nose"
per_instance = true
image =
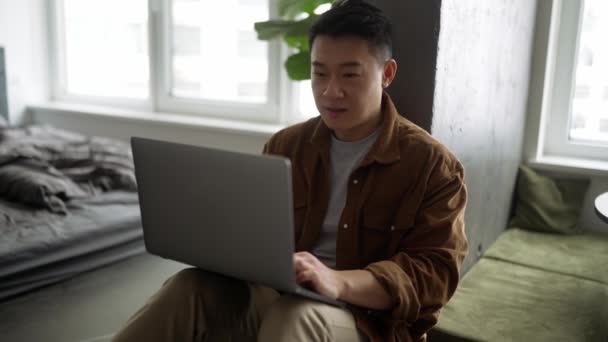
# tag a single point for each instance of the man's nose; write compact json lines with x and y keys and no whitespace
{"x":333,"y":89}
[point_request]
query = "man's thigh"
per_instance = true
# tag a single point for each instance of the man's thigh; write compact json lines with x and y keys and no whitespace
{"x":262,"y":298}
{"x":292,"y":318}
{"x":241,"y":326}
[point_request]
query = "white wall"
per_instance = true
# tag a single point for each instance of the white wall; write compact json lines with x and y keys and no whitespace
{"x":122,"y":127}
{"x":23,"y":34}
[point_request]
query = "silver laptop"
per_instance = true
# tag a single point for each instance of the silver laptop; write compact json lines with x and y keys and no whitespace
{"x":224,"y":212}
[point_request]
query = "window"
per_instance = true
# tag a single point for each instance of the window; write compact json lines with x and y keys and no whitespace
{"x":575,"y":115}
{"x":175,"y":56}
{"x":106,"y":51}
{"x":211,"y":47}
{"x":589,"y":114}
{"x":306,"y":102}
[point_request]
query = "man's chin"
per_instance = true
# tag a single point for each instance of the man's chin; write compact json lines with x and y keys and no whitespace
{"x":332,"y":123}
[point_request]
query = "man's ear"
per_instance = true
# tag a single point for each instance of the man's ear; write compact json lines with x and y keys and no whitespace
{"x":389,"y":72}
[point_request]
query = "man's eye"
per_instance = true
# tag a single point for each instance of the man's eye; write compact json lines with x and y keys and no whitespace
{"x":350,"y":75}
{"x":319,"y":74}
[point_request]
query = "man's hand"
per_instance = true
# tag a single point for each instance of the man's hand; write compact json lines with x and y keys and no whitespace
{"x":313,"y":274}
{"x":357,"y":287}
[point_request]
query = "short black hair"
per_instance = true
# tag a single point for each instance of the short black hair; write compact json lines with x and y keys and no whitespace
{"x":356,"y":18}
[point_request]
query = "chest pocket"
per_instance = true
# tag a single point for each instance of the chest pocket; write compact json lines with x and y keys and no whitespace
{"x":381,"y":233}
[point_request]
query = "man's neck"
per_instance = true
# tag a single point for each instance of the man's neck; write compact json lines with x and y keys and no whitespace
{"x":361,"y":131}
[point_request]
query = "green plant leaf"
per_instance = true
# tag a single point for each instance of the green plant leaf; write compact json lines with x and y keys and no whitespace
{"x":273,"y":28}
{"x":297,"y":42}
{"x":298,"y":66}
{"x":295,"y":33}
{"x":301,"y":27}
{"x":297,"y":36}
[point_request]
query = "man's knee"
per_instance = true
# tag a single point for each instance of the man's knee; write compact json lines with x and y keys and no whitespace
{"x":295,"y":308}
{"x":217,"y":292}
{"x":188,"y":280}
{"x":295,"y":319}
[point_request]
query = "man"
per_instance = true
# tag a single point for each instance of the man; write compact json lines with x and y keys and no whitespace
{"x":379,"y":207}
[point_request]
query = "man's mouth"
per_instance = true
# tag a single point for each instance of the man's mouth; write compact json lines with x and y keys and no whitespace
{"x":335,"y":110}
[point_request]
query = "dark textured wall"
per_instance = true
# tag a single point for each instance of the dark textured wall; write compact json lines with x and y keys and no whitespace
{"x":481,"y":91}
{"x":416,"y":29}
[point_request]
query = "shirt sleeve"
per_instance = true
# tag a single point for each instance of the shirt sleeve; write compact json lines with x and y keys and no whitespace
{"x":424,"y":273}
{"x":270,"y":147}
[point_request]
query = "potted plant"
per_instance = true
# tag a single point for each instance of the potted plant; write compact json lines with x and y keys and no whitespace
{"x":299,"y":15}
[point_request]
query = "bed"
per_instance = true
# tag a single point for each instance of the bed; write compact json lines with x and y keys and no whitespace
{"x":68,"y":204}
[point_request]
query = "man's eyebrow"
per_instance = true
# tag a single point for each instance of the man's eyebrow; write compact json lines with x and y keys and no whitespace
{"x":345,"y":64}
{"x":350,"y":64}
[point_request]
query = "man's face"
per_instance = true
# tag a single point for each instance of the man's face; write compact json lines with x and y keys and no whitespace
{"x":347,"y":83}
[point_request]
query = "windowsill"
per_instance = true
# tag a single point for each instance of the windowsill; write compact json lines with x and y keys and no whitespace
{"x":571,"y":165}
{"x":171,"y":119}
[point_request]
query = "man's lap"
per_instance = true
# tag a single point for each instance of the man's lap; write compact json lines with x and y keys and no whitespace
{"x":271,"y":314}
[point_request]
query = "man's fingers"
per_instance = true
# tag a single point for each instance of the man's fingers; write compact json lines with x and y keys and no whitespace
{"x":306,"y":276}
{"x":304,"y":255}
{"x":298,"y":258}
{"x":301,"y":265}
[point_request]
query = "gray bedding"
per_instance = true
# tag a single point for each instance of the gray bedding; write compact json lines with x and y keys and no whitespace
{"x":40,"y":237}
{"x":38,"y":247}
{"x":61,"y":270}
{"x":46,"y":167}
{"x":67,"y":204}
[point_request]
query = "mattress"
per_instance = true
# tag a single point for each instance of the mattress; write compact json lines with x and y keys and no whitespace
{"x":38,"y":247}
{"x":61,"y":270}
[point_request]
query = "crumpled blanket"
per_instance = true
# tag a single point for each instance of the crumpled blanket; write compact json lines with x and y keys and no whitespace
{"x":43,"y":166}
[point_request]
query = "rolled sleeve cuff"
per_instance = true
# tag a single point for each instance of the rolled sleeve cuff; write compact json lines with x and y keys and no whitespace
{"x":399,"y":287}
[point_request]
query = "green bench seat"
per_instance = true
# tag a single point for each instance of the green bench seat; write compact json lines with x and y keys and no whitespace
{"x":532,"y":286}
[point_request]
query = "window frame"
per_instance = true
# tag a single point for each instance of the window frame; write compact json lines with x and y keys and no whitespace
{"x":278,"y":109}
{"x":559,"y":86}
{"x":58,"y":69}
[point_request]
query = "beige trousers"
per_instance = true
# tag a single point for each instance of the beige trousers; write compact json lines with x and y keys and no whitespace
{"x":195,"y":305}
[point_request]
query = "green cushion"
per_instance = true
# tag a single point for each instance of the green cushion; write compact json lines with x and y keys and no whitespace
{"x":546,"y":204}
{"x":500,"y":301}
{"x":583,"y":256}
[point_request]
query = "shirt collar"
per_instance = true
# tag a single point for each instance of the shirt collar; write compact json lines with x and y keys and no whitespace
{"x":386,"y":148}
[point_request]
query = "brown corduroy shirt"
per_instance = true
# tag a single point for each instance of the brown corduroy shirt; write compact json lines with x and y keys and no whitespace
{"x":403,"y":220}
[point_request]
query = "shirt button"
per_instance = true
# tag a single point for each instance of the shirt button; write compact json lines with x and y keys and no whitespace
{"x":345,"y":226}
{"x":356,"y":181}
